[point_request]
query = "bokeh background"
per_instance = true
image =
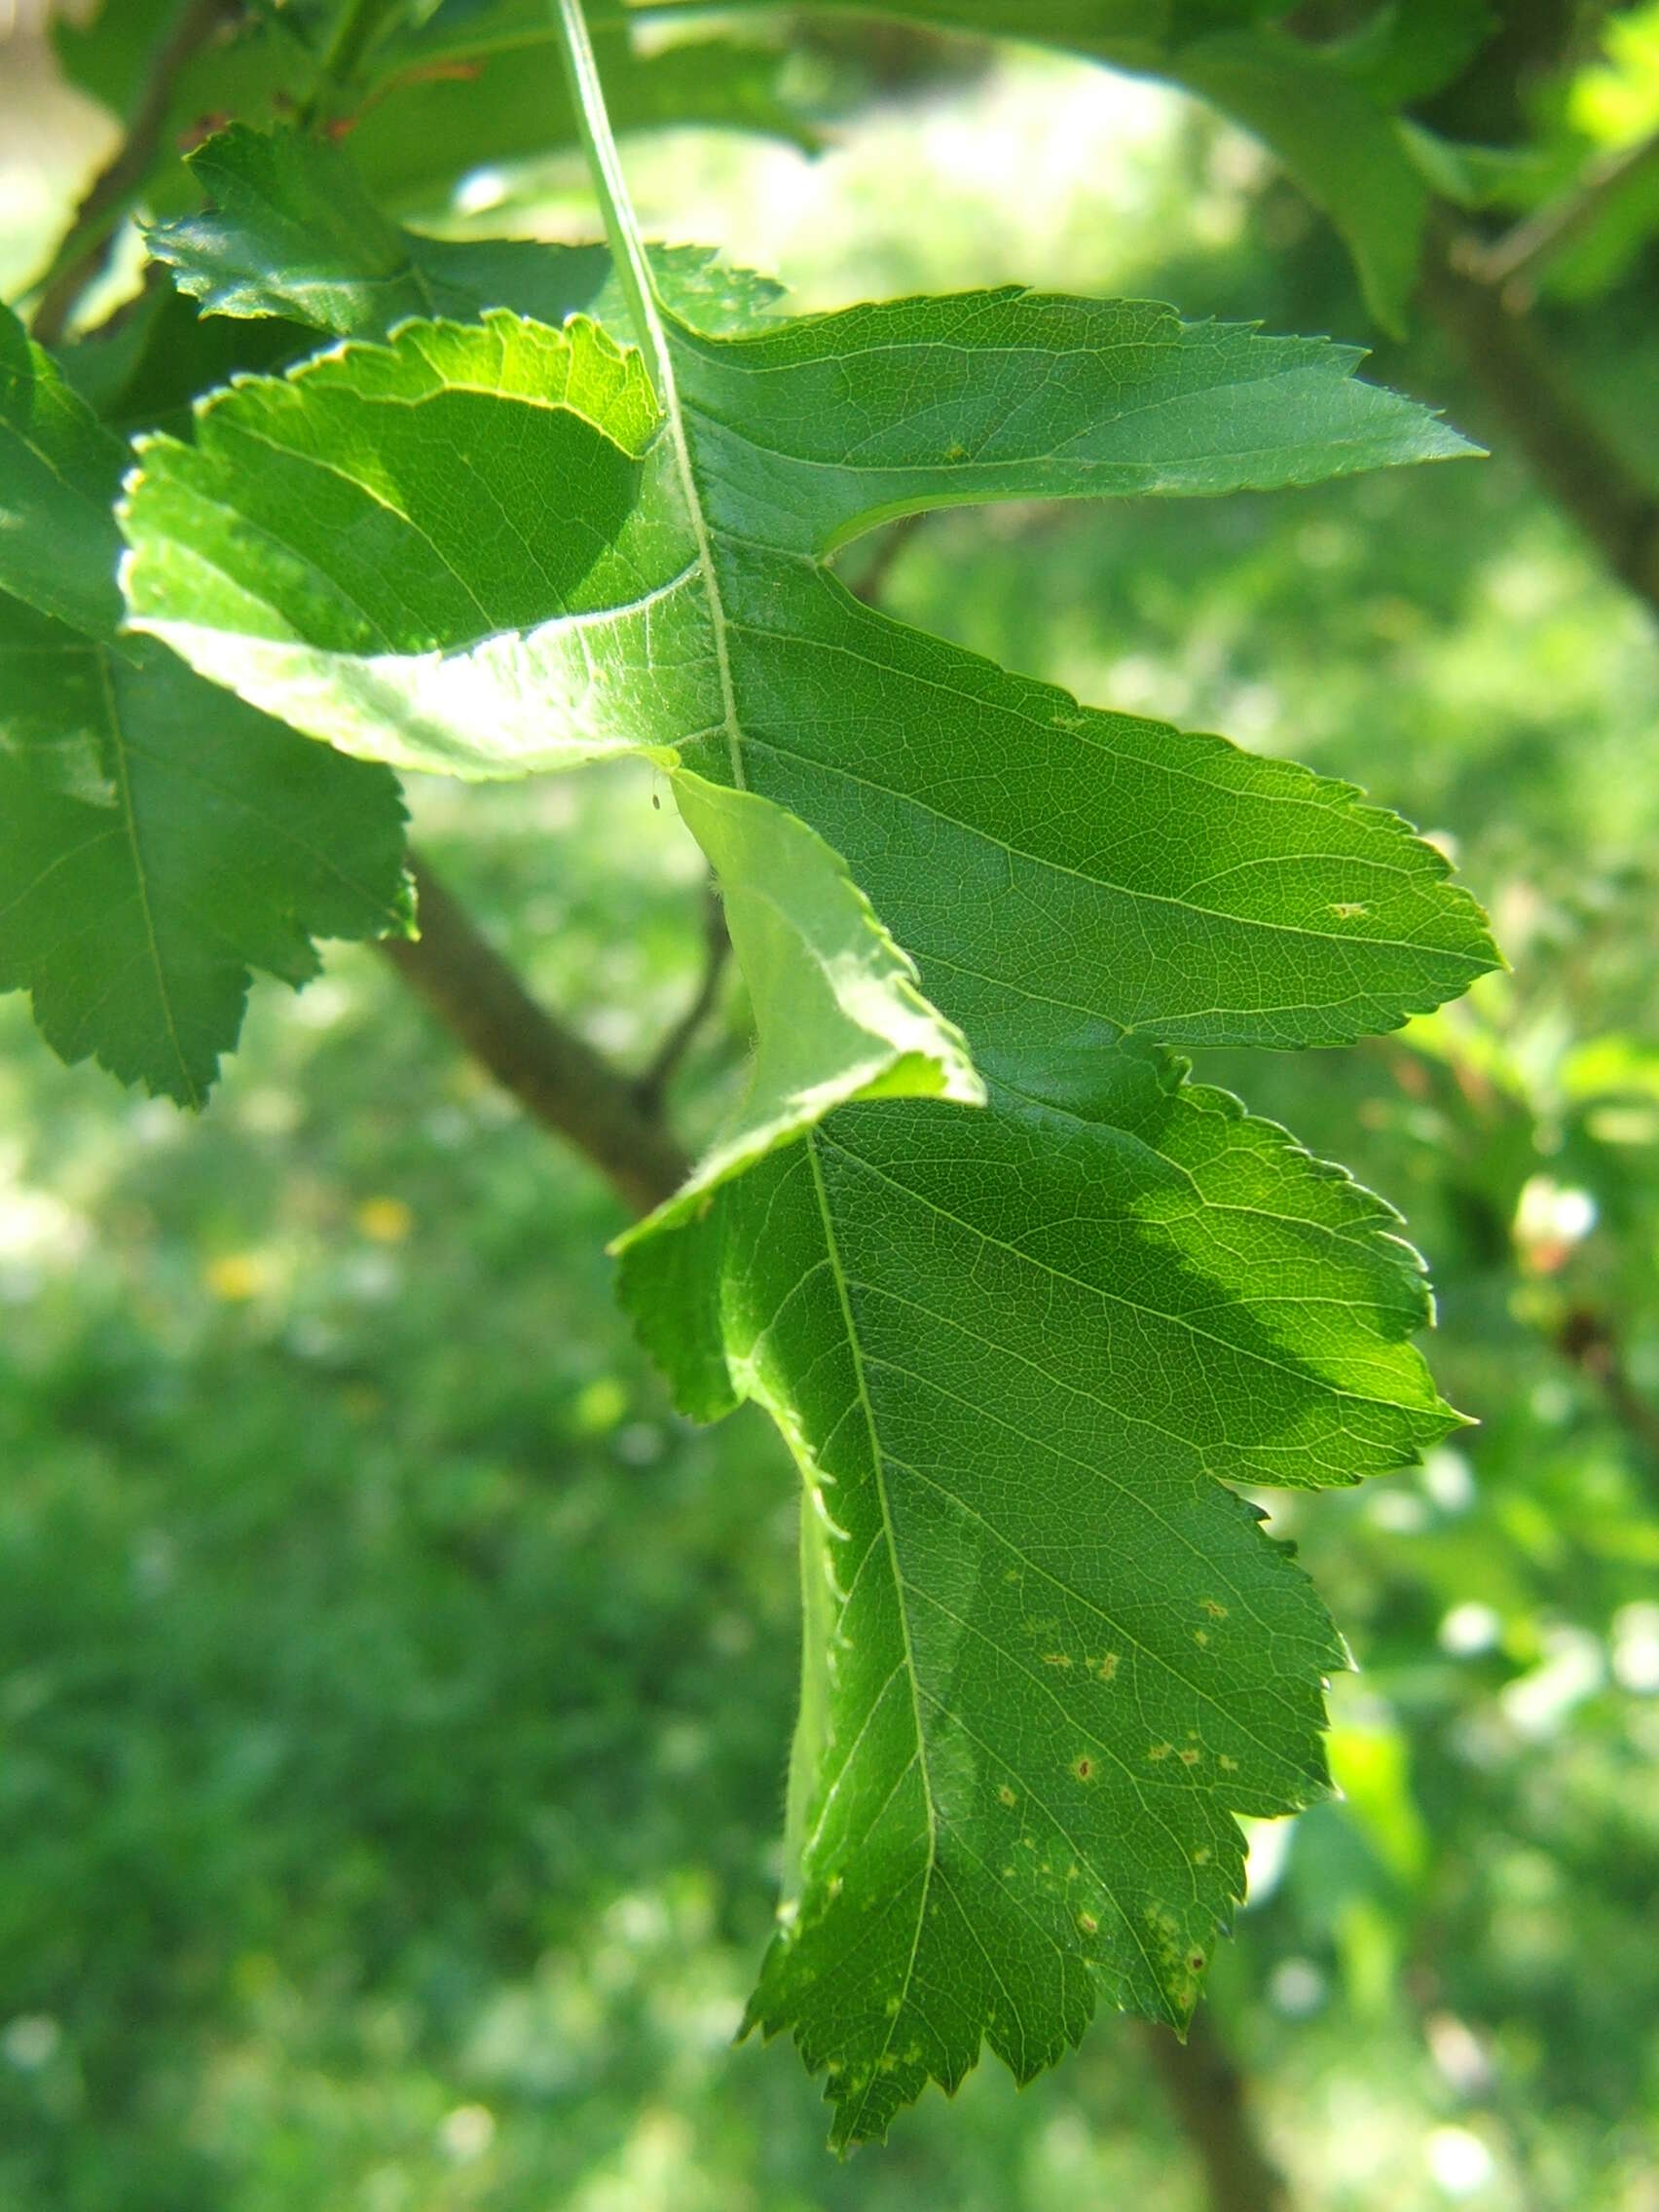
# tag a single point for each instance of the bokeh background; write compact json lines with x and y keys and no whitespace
{"x":394,"y":1694}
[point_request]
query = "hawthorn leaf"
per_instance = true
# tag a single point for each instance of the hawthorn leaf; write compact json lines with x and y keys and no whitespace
{"x":158,"y":838}
{"x":58,"y":469}
{"x":1049,"y":867}
{"x":445,"y":108}
{"x":290,"y":231}
{"x":144,"y":375}
{"x":1049,"y":1655}
{"x":1345,"y":152}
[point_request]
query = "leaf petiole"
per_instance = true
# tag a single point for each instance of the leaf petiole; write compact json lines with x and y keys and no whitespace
{"x":632,"y":271}
{"x":621,"y":226}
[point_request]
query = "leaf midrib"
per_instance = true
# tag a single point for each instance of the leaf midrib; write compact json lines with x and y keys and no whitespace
{"x":194,"y":1093}
{"x":912,"y":1682}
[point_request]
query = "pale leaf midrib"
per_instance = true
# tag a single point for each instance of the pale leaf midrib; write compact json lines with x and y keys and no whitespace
{"x":118,"y":748}
{"x":878,"y":1477}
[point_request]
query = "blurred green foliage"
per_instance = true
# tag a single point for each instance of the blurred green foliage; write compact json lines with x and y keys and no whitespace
{"x":393,"y":1693}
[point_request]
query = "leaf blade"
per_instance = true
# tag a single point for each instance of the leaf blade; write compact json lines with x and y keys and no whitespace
{"x":58,"y":469}
{"x":1291,"y":914}
{"x":1061,"y":1655}
{"x":160,"y":841}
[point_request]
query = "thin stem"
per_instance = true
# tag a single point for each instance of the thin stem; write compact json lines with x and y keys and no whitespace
{"x":633,"y":268}
{"x":85,"y":253}
{"x":1592,"y":1342}
{"x":349,"y":39}
{"x":621,"y":226}
{"x":556,"y":1075}
{"x":1569,"y":450}
{"x":1211,"y":2103}
{"x":717,"y":948}
{"x":1517,"y":261}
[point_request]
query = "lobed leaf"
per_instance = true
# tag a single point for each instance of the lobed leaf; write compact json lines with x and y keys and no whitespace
{"x":58,"y":470}
{"x":1049,"y":867}
{"x":158,"y":840}
{"x":291,"y":232}
{"x":1050,"y":1656}
{"x":437,"y":107}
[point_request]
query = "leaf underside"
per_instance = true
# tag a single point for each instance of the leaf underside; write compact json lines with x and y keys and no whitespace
{"x":1019,"y":1347}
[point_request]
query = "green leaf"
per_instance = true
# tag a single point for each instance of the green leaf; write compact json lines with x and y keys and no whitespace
{"x":158,"y":841}
{"x":58,"y":469}
{"x":291,"y":231}
{"x":1054,"y":1656}
{"x":144,"y":374}
{"x":317,"y":549}
{"x":438,"y":105}
{"x":1049,"y":1656}
{"x":838,"y":1014}
{"x":156,"y":838}
{"x":492,"y":97}
{"x":1413,"y":49}
{"x":1344,"y":151}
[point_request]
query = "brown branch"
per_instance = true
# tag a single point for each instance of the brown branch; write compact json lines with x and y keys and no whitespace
{"x":1208,"y":2096}
{"x":554,"y":1074}
{"x":356,"y":26}
{"x":1514,"y":263}
{"x":872,"y":579}
{"x":1567,"y":448}
{"x":650,"y":1086}
{"x":95,"y":217}
{"x":1590,"y":1341}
